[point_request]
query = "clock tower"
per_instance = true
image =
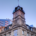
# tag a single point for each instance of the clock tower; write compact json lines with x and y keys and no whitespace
{"x":18,"y":16}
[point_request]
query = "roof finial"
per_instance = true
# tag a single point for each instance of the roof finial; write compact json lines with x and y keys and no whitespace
{"x":18,"y":2}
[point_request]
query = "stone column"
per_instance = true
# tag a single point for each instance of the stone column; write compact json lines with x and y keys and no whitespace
{"x":7,"y":34}
{"x":29,"y":34}
{"x":25,"y":33}
{"x":19,"y":32}
{"x":12,"y":33}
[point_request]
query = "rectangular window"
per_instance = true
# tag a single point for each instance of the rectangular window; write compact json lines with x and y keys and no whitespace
{"x":23,"y":32}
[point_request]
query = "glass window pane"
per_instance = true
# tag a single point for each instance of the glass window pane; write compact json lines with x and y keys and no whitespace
{"x":31,"y":29}
{"x":22,"y":32}
{"x":15,"y":33}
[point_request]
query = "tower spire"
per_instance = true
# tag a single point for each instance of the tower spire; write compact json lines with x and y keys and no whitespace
{"x":18,"y":2}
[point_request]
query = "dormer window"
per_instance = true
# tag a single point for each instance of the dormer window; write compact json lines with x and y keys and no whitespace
{"x":31,"y":29}
{"x":21,"y":8}
{"x":16,"y":9}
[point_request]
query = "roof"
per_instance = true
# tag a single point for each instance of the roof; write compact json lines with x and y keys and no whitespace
{"x":18,"y":8}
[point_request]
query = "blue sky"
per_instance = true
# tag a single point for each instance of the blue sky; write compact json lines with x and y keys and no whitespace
{"x":29,"y":6}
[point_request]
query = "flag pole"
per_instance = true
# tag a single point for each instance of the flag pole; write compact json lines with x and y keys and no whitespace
{"x":18,"y":2}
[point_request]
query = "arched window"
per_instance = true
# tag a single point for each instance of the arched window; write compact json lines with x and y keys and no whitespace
{"x":15,"y":32}
{"x":23,"y":32}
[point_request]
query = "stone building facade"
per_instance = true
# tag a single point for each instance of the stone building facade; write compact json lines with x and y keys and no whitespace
{"x":18,"y":26}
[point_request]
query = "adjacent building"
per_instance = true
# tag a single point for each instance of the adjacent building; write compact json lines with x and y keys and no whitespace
{"x":18,"y":26}
{"x":4,"y":22}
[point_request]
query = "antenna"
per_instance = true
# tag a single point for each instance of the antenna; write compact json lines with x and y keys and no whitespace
{"x":18,"y":2}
